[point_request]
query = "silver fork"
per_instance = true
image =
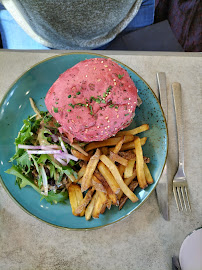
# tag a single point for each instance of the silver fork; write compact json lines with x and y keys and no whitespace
{"x":180,"y":187}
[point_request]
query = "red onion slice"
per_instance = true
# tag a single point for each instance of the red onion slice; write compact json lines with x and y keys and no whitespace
{"x":40,"y":152}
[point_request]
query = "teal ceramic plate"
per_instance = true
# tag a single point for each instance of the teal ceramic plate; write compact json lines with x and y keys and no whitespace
{"x":15,"y":107}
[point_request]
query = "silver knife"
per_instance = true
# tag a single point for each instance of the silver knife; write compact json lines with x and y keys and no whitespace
{"x":162,"y":187}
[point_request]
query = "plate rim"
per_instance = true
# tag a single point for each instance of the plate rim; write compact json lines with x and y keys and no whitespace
{"x":141,"y":203}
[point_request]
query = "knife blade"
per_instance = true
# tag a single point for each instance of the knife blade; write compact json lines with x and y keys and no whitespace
{"x":162,"y":187}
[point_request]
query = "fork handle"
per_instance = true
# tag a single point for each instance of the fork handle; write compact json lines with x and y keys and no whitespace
{"x":177,"y":95}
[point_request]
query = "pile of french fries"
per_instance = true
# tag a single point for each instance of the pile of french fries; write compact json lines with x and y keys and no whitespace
{"x":110,"y":172}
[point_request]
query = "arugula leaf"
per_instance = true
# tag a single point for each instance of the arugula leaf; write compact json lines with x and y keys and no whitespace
{"x":72,"y":162}
{"x":40,"y":181}
{"x":60,"y":177}
{"x":68,"y":171}
{"x":47,"y":118}
{"x":35,"y":124}
{"x":25,"y":162}
{"x":26,"y":135}
{"x":22,"y":180}
{"x":18,"y":181}
{"x":52,"y":171}
{"x":53,"y":197}
{"x":62,"y":170}
{"x":35,"y":162}
{"x":44,"y":157}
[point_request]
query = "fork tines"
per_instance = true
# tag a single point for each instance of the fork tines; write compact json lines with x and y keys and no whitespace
{"x":181,"y":197}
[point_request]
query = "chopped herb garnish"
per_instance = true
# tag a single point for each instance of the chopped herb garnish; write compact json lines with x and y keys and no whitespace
{"x":56,"y":102}
{"x":55,"y":109}
{"x":109,"y":89}
{"x":78,"y":93}
{"x":69,"y":110}
{"x":120,"y":76}
{"x":116,"y":107}
{"x":69,"y":96}
{"x":91,"y":109}
{"x":70,"y":104}
{"x":98,"y":100}
{"x":126,"y":114}
{"x":111,"y":105}
{"x":93,"y":98}
{"x":103,"y":101}
{"x":104,"y":95}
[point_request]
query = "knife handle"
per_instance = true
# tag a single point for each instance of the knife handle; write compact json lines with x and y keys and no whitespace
{"x":177,"y":95}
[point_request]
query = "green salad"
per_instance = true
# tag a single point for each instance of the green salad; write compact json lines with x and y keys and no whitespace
{"x":43,"y":158}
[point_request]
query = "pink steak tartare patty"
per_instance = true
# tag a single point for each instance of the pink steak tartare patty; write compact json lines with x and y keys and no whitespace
{"x":93,"y":100}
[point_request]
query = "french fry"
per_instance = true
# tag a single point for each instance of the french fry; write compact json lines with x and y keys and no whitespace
{"x":133,"y":131}
{"x":131,"y":145}
{"x":81,"y":207}
{"x":79,"y":197}
{"x":116,"y":158}
{"x":108,"y":177}
{"x":127,"y":181}
{"x":80,"y":181}
{"x":104,"y":206}
{"x":97,"y":207}
{"x":147,"y":173}
{"x":100,"y":177}
{"x":81,"y":172}
{"x":121,"y":169}
{"x":108,"y":203}
{"x":86,"y":181}
{"x":123,"y":200}
{"x":140,"y":164}
{"x":80,"y":155}
{"x":99,"y":204}
{"x":118,"y":146}
{"x":102,"y":196}
{"x":97,"y":184}
{"x":112,"y":167}
{"x":72,"y":198}
{"x":129,"y":154}
{"x":114,"y":199}
{"x":75,"y":197}
{"x":129,"y":168}
{"x":91,"y":152}
{"x":108,"y":142}
{"x":111,"y":195}
{"x":104,"y":150}
{"x":89,"y":208}
{"x":78,"y":147}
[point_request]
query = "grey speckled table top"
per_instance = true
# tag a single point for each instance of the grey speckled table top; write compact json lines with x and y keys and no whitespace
{"x":143,"y":240}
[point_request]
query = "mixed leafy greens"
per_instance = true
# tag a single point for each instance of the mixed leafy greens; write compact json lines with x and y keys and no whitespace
{"x":42,"y":158}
